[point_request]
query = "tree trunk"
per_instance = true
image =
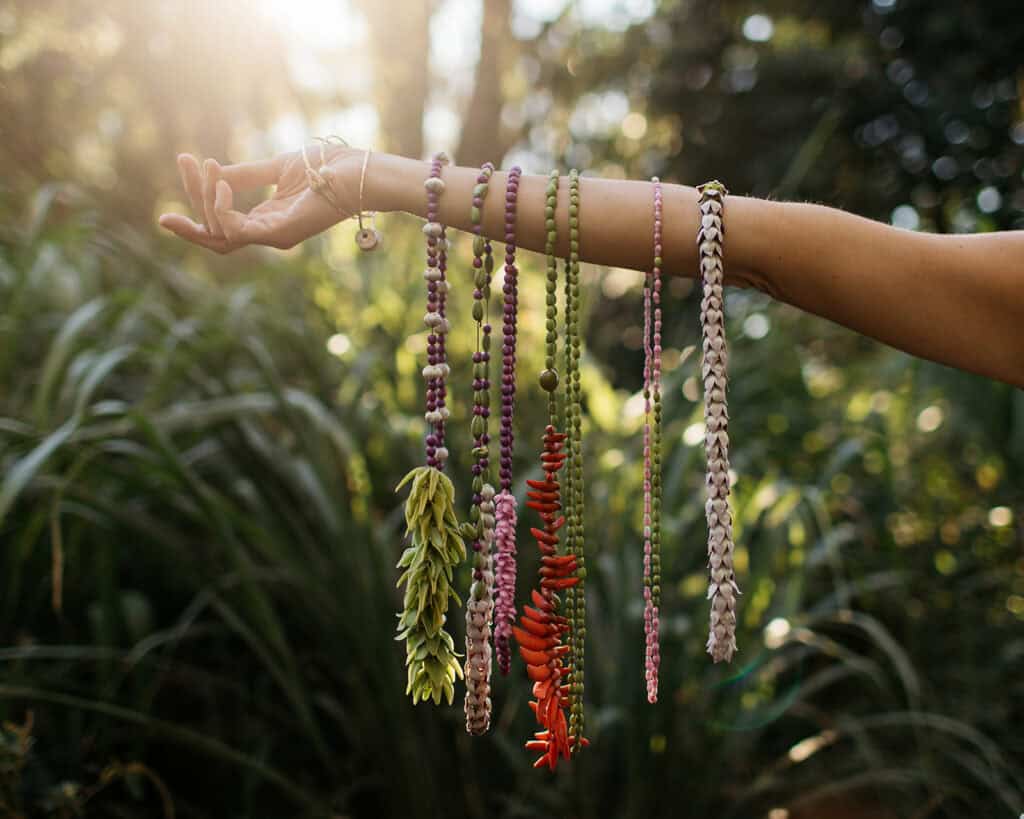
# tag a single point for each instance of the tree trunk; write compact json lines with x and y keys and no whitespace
{"x":483,"y":137}
{"x":400,"y":48}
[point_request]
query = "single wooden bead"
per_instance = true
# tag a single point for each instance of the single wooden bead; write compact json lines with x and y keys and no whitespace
{"x":549,"y":380}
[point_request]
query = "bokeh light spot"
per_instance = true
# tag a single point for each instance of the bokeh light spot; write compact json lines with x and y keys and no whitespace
{"x":906,"y":217}
{"x":1000,"y":516}
{"x":339,"y":344}
{"x":693,"y":434}
{"x":691,"y":389}
{"x":989,"y":200}
{"x":634,"y":125}
{"x":775,"y":632}
{"x":758,"y":28}
{"x":613,"y":459}
{"x":929,"y":419}
{"x":945,"y":562}
{"x":756,"y":325}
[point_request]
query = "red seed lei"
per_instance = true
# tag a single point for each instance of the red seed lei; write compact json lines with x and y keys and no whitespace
{"x":545,"y":636}
{"x":542,"y":628}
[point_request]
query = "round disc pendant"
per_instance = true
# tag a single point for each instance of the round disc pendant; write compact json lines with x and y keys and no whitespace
{"x":367,"y":239}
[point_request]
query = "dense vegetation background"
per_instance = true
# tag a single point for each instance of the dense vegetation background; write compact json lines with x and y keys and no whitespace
{"x":197,"y":522}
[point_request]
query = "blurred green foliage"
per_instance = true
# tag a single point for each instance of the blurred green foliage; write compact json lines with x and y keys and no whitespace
{"x":197,"y":520}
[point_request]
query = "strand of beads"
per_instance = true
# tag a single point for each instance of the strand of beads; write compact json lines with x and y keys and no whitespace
{"x":652,"y":458}
{"x":436,"y":370}
{"x":436,"y":543}
{"x":549,"y":377}
{"x":505,"y":503}
{"x":480,"y":606}
{"x":546,"y":636}
{"x":542,"y":628}
{"x":575,"y":596}
{"x":722,"y":589}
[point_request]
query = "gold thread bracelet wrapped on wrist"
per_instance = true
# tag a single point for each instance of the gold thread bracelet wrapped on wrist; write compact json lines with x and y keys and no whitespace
{"x":368,"y":238}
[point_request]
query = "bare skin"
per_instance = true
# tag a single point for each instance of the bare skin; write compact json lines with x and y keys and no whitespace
{"x":955,"y":299}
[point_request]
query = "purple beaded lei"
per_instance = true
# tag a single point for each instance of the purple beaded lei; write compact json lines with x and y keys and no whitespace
{"x":436,"y":371}
{"x":505,"y":503}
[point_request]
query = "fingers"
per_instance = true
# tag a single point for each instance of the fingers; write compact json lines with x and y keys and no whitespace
{"x":245,"y":229}
{"x":234,"y":222}
{"x":248,"y":175}
{"x":192,"y":180}
{"x":195,"y":232}
{"x":211,"y":175}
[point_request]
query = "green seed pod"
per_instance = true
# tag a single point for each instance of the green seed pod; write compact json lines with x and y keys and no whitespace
{"x":549,"y":380}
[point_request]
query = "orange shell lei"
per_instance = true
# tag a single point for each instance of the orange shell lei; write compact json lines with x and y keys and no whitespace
{"x":541,"y":629}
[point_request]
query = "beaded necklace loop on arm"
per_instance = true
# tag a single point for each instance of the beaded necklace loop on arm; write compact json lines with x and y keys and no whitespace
{"x":505,"y":503}
{"x":652,"y":457}
{"x":546,"y":639}
{"x":436,"y":547}
{"x":436,"y":371}
{"x":575,"y":596}
{"x":722,"y":589}
{"x":480,"y":530}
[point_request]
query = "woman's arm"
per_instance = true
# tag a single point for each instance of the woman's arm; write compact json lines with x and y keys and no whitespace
{"x":954,"y":299}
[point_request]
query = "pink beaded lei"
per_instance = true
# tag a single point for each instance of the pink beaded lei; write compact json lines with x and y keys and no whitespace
{"x":505,"y":502}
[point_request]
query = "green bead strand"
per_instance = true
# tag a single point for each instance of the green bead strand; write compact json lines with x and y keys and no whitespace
{"x":575,"y":468}
{"x":549,"y":378}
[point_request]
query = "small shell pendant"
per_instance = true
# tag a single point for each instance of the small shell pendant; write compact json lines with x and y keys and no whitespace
{"x":367,"y":239}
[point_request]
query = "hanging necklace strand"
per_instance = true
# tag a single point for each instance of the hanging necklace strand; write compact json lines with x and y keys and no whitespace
{"x":722,"y":589}
{"x":480,"y":605}
{"x":652,"y":457}
{"x":436,"y":545}
{"x":576,"y":599}
{"x":543,"y":628}
{"x":505,"y":503}
{"x":436,"y":370}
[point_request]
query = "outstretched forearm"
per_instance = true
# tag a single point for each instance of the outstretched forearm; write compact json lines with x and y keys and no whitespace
{"x":958,"y":300}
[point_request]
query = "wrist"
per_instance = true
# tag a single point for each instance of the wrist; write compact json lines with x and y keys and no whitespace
{"x":393,"y":183}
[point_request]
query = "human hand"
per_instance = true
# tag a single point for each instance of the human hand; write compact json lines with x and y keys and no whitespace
{"x":294,"y":212}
